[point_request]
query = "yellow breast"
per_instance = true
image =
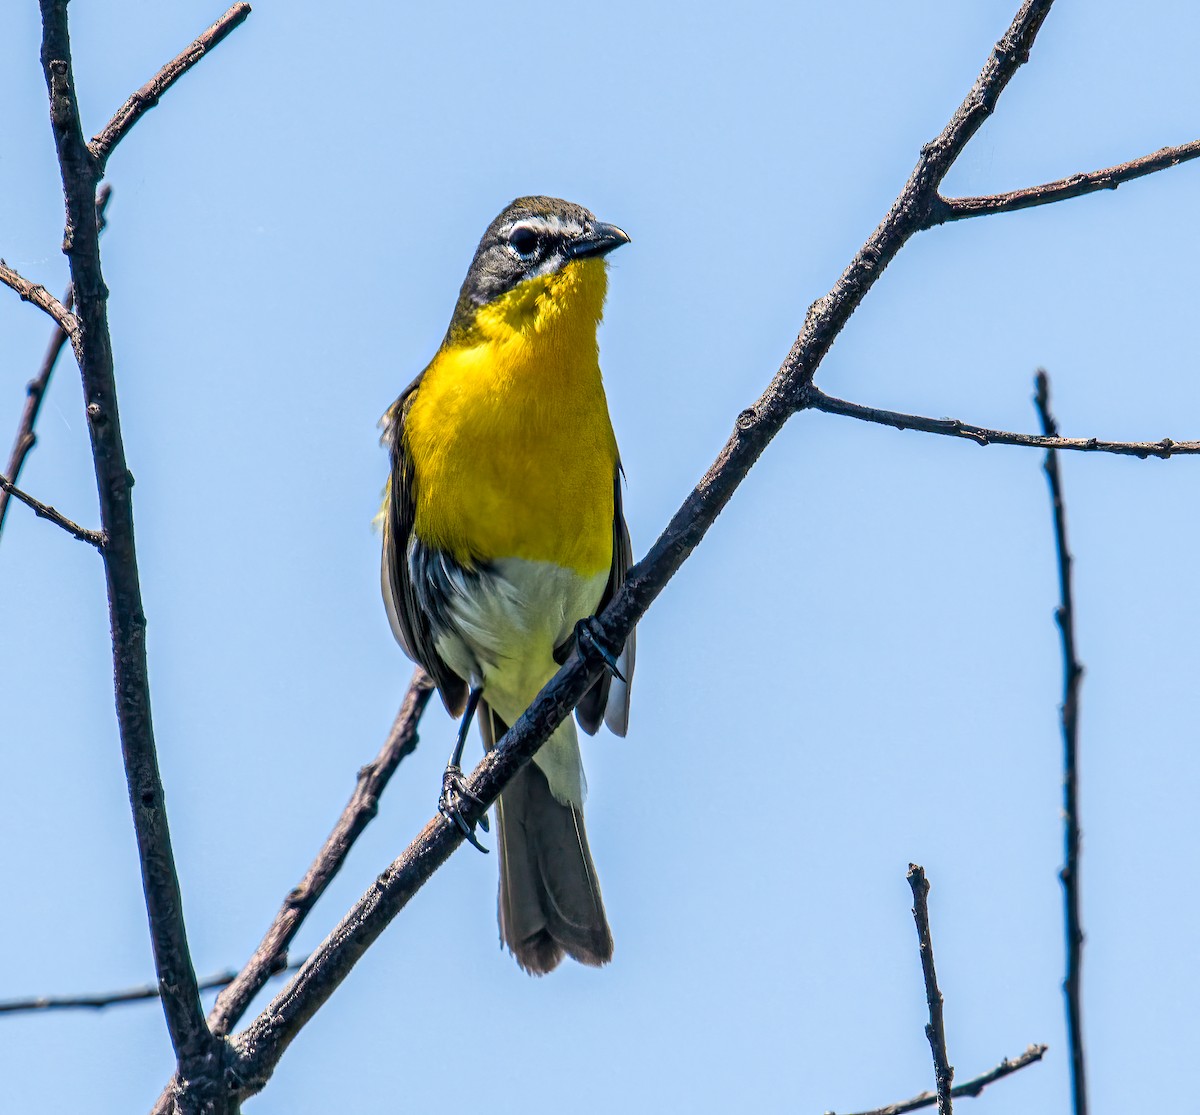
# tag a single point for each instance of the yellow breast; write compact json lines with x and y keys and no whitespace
{"x":509,"y":432}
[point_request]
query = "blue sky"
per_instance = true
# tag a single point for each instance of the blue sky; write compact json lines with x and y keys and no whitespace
{"x":866,"y":632}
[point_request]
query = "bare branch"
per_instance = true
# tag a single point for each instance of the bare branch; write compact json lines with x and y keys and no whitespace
{"x":145,"y":993}
{"x":970,"y":1088}
{"x":816,"y":399}
{"x":35,"y":391}
{"x":44,"y":300}
{"x":1072,"y":675}
{"x":911,"y":212}
{"x":148,"y":95}
{"x":960,"y":208}
{"x":935,"y":1030}
{"x":359,"y":812}
{"x":200,"y":1055}
{"x":44,"y":511}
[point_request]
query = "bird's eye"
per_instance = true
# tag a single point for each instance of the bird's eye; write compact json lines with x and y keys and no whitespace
{"x":524,"y":242}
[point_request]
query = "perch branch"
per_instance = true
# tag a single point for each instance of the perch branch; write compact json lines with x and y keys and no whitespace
{"x":1069,"y":713}
{"x":935,"y":1029}
{"x":816,"y":399}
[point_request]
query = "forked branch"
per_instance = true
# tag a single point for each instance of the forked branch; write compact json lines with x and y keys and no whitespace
{"x":35,"y":390}
{"x":200,"y":1055}
{"x":970,"y":1088}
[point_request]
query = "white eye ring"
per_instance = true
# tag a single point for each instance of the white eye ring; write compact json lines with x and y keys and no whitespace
{"x":523,"y":241}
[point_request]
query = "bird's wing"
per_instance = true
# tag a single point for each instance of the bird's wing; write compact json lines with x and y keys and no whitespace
{"x":608,"y":699}
{"x":409,"y":623}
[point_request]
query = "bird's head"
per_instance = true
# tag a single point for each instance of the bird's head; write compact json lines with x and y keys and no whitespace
{"x":540,"y":257}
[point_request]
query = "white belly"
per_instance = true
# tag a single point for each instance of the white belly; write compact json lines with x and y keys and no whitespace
{"x":504,"y":627}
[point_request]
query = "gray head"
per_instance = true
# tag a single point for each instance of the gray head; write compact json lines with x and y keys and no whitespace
{"x":533,"y":236}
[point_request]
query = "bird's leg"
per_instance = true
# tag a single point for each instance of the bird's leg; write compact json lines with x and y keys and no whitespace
{"x":463,"y":727}
{"x":592,"y":644}
{"x":453,"y":787}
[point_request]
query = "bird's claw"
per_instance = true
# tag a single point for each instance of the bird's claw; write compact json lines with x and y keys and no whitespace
{"x":590,"y":640}
{"x":454,"y":790}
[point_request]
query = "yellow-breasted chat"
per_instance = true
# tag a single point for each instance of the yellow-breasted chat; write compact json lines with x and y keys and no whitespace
{"x":503,"y":533}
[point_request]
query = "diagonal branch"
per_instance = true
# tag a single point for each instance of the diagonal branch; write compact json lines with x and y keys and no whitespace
{"x":910,"y":213}
{"x":816,"y":399}
{"x":260,"y":1047}
{"x":359,"y":812}
{"x":141,"y":994}
{"x":35,"y":391}
{"x":148,"y":95}
{"x":44,"y":511}
{"x":935,"y":1030}
{"x":1072,"y":675}
{"x":199,"y":1054}
{"x":44,"y":300}
{"x":960,"y":208}
{"x":970,"y":1088}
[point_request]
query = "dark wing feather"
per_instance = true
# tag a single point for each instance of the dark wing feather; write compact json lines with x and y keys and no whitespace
{"x":409,"y":622}
{"x":550,"y":900}
{"x":608,"y":699}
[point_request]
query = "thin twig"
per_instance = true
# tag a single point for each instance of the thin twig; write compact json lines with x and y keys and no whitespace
{"x":44,"y":300}
{"x":141,"y":994}
{"x":935,"y":1029}
{"x":960,"y":208}
{"x":1069,"y":713}
{"x":200,"y":1055}
{"x":970,"y":1088}
{"x":359,"y":812}
{"x":45,"y":511}
{"x":35,"y":390}
{"x":816,"y":399}
{"x":148,"y":95}
{"x":259,"y":1048}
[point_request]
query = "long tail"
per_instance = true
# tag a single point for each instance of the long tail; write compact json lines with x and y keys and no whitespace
{"x":550,"y":903}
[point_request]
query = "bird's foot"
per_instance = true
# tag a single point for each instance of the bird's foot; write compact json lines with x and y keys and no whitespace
{"x":593,"y":645}
{"x":450,"y":805}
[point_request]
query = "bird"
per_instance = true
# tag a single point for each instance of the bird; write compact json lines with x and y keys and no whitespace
{"x":504,"y":535}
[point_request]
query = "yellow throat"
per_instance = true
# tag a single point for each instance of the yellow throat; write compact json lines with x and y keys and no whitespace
{"x":509,"y":433}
